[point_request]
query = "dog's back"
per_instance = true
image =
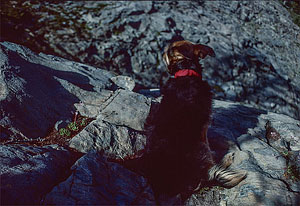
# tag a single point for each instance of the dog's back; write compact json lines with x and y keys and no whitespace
{"x":185,"y":107}
{"x":181,"y":161}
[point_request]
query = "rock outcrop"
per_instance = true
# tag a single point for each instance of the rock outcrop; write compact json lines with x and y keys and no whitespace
{"x":38,"y":90}
{"x":94,"y":181}
{"x":27,"y":173}
{"x":256,"y":42}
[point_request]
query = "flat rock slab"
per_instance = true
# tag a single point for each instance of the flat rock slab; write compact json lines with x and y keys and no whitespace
{"x":113,"y":140}
{"x":127,"y":109}
{"x":119,"y":127}
{"x":27,"y":173}
{"x":94,"y":181}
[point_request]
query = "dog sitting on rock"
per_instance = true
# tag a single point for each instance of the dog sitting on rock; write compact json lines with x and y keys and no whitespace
{"x":179,"y":159}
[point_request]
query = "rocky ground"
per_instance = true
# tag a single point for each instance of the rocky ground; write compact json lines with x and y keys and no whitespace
{"x":257,"y":43}
{"x":41,"y":93}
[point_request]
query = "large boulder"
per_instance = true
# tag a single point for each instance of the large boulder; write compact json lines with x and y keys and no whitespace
{"x":38,"y":90}
{"x":94,"y":181}
{"x":256,"y":42}
{"x":118,"y":129}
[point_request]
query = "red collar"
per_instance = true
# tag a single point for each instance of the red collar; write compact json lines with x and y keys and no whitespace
{"x":186,"y":72}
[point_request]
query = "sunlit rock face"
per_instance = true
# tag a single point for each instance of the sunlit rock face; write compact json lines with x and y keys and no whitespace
{"x":256,"y":43}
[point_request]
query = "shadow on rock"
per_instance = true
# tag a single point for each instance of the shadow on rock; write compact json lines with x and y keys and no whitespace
{"x":28,"y":173}
{"x":174,"y":177}
{"x":38,"y":95}
{"x":252,"y":77}
{"x":230,"y":121}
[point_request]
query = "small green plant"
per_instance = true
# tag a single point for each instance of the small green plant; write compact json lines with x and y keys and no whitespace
{"x":83,"y":122}
{"x":292,"y":173}
{"x":73,"y":126}
{"x":64,"y":132}
{"x":285,"y":153}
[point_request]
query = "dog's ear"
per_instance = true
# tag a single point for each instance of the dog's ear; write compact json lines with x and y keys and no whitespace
{"x":202,"y":51}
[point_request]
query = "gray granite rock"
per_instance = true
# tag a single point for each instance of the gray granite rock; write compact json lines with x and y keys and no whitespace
{"x":37,"y":90}
{"x":124,"y":82}
{"x":27,"y":173}
{"x":272,"y":165}
{"x":256,"y":43}
{"x":113,"y":140}
{"x":270,"y":180}
{"x":127,"y":109}
{"x":94,"y":181}
{"x":119,"y":127}
{"x":235,"y":128}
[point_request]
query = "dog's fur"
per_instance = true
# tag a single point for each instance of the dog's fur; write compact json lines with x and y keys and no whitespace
{"x":179,"y":158}
{"x":183,"y":154}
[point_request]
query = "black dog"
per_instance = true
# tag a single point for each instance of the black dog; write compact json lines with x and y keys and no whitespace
{"x":179,"y":159}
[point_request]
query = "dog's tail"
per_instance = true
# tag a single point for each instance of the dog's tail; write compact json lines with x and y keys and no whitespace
{"x":222,"y":175}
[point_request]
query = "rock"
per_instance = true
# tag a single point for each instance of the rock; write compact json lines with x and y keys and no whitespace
{"x":93,"y":103}
{"x":270,"y":179}
{"x":235,"y":128}
{"x":39,"y":90}
{"x":114,"y":140}
{"x":256,"y":43}
{"x":27,"y":173}
{"x":119,"y":127}
{"x":122,"y":110}
{"x":94,"y":181}
{"x":124,"y":82}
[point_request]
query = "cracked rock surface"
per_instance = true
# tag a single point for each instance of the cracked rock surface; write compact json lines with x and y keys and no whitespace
{"x":94,"y":181}
{"x":265,"y":144}
{"x":27,"y":173}
{"x":37,"y":90}
{"x":257,"y":45}
{"x":267,"y":161}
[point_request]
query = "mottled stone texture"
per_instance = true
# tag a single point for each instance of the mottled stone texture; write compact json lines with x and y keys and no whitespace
{"x":94,"y":181}
{"x":257,"y":45}
{"x":28,"y":173}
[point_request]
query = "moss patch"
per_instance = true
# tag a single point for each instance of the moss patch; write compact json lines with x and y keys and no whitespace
{"x":292,"y":171}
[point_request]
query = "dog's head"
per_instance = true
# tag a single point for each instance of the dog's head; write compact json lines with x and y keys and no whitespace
{"x":185,"y":55}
